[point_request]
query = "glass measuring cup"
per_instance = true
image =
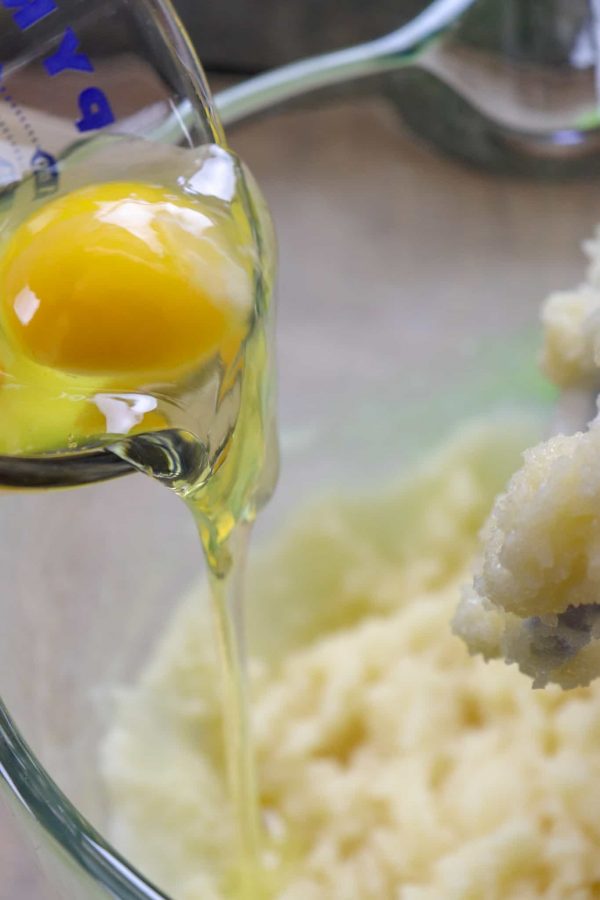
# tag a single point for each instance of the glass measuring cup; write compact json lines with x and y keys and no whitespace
{"x":105,"y":124}
{"x":78,"y":106}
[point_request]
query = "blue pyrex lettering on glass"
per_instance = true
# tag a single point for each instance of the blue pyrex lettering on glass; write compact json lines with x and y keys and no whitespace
{"x":92,"y":109}
{"x":68,"y":56}
{"x":94,"y":106}
{"x":29,"y":12}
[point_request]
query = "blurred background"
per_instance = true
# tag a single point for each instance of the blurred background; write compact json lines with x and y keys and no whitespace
{"x":540,"y":55}
{"x":532,"y":57}
{"x":250,"y":35}
{"x":247,"y":36}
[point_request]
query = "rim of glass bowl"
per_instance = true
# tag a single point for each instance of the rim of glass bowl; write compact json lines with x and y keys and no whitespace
{"x":40,"y":798}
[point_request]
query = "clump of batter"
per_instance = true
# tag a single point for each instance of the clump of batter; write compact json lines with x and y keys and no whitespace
{"x":571,"y":350}
{"x":571,"y":328}
{"x":535,"y":598}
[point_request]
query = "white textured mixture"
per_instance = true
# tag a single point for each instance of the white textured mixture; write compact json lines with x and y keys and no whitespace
{"x":393,"y":765}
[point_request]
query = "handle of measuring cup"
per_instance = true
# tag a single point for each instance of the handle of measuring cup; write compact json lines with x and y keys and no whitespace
{"x":400,"y":48}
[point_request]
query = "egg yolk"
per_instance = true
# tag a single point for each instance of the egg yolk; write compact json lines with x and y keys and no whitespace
{"x":122,"y":278}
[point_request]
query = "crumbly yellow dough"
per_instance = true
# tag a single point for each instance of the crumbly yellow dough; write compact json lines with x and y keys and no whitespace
{"x":535,"y":599}
{"x":571,"y":328}
{"x":542,"y":540}
{"x":393,"y":765}
{"x":541,"y":558}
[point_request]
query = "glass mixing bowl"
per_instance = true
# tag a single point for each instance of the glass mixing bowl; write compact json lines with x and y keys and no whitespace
{"x":409,"y":295}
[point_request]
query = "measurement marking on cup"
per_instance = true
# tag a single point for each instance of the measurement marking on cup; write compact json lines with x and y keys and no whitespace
{"x":9,"y":175}
{"x":44,"y":165}
{"x":93,"y":108}
{"x":5,"y":130}
{"x":27,"y":127}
